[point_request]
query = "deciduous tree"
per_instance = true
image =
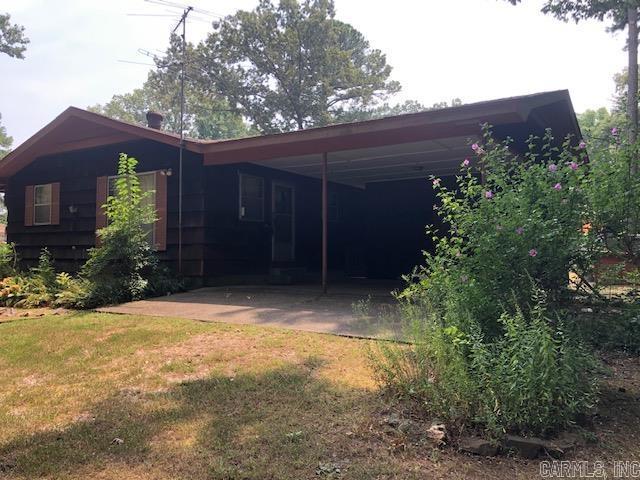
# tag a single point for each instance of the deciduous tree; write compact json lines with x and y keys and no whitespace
{"x":293,"y":65}
{"x":621,"y":13}
{"x":208,"y":115}
{"x":5,"y":140}
{"x":12,"y":39}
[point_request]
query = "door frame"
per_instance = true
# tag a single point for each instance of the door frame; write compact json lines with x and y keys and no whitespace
{"x":274,"y":184}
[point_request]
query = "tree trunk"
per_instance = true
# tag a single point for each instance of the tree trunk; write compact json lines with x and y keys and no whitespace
{"x":632,"y":86}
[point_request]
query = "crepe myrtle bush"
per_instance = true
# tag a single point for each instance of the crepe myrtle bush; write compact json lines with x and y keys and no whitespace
{"x":489,"y":345}
{"x":513,"y":219}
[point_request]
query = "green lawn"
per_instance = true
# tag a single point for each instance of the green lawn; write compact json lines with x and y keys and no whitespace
{"x":198,"y":400}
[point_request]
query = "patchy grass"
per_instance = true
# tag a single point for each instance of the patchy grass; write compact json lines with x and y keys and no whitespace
{"x":197,"y":400}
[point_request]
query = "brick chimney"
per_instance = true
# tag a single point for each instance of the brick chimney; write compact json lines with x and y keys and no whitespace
{"x":154,"y":120}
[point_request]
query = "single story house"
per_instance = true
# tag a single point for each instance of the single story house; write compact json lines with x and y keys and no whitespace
{"x":348,"y":199}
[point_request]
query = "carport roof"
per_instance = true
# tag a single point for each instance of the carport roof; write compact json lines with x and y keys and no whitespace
{"x":417,"y":135}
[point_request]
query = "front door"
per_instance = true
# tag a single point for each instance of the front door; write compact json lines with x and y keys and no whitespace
{"x":283,"y":222}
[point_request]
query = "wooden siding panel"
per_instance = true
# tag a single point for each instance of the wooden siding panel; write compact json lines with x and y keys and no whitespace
{"x":28,"y":206}
{"x":102,"y":189}
{"x":55,"y":203}
{"x":160,"y":227}
{"x":78,"y":173}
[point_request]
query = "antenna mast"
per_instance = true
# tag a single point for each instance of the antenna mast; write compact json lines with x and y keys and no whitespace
{"x":183,"y":21}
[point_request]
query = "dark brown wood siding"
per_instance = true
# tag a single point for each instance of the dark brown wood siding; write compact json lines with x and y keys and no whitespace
{"x":239,"y":247}
{"x":77,"y":172}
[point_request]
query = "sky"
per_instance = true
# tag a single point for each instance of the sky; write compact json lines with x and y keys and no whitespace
{"x":439,"y":49}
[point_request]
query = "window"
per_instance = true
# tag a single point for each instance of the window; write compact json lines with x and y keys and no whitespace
{"x":42,"y":200}
{"x":147,"y":184}
{"x":251,"y":198}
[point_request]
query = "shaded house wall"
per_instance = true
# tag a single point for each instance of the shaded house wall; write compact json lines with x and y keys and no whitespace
{"x":77,"y":173}
{"x":239,"y":247}
{"x":216,"y":243}
{"x":397,"y":214}
{"x":378,"y":232}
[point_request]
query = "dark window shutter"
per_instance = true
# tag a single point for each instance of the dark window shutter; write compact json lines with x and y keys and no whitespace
{"x":28,"y":206}
{"x":101,"y":200}
{"x":160,"y":226}
{"x":55,"y":203}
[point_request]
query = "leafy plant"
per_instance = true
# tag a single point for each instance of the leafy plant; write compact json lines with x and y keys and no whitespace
{"x":11,"y":290}
{"x":491,"y":340}
{"x":523,"y":220}
{"x":44,"y":271}
{"x":532,"y":378}
{"x":8,"y":259}
{"x":118,"y":267}
{"x":124,"y":265}
{"x":71,"y":292}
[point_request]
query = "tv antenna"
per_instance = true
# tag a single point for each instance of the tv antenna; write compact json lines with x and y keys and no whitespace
{"x":183,"y":22}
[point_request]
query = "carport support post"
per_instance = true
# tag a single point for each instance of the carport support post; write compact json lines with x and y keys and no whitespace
{"x":324,"y":222}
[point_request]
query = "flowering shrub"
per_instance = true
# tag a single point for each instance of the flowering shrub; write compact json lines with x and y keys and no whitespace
{"x":521,"y":221}
{"x":489,"y":345}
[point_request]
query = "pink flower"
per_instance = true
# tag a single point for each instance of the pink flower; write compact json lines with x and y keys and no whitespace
{"x":477,"y":148}
{"x":614,"y":131}
{"x":557,"y":186}
{"x":436,"y":182}
{"x":466,"y":162}
{"x":573,"y":166}
{"x":519,"y":230}
{"x":582,"y":145}
{"x":553,"y":167}
{"x":488,"y":194}
{"x":533,"y":252}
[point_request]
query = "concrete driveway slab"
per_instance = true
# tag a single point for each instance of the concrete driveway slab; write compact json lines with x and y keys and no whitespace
{"x":362,"y":311}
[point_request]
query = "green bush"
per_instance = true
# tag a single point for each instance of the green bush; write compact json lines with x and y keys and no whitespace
{"x":45,"y":272}
{"x":72,"y":292}
{"x":523,"y":222}
{"x":8,"y":260}
{"x":489,"y":347}
{"x":124,"y":266}
{"x":533,"y":378}
{"x":610,"y":328}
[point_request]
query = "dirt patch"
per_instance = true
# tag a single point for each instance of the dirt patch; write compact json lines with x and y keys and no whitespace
{"x":11,"y":313}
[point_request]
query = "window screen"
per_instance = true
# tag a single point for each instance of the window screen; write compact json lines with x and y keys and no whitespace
{"x":42,"y":204}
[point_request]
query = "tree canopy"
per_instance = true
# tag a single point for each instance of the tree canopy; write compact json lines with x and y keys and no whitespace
{"x":273,"y":69}
{"x":293,"y":65}
{"x":12,"y":39}
{"x":597,"y":124}
{"x":5,"y":140}
{"x":578,"y":10}
{"x":207,"y":116}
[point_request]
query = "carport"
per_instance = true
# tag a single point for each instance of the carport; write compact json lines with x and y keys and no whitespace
{"x":388,"y":160}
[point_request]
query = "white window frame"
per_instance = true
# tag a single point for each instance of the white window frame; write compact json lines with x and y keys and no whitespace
{"x":154,"y":190}
{"x":240,"y":206}
{"x":49,"y":204}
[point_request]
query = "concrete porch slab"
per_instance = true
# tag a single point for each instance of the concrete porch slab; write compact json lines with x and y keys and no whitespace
{"x":350,"y":310}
